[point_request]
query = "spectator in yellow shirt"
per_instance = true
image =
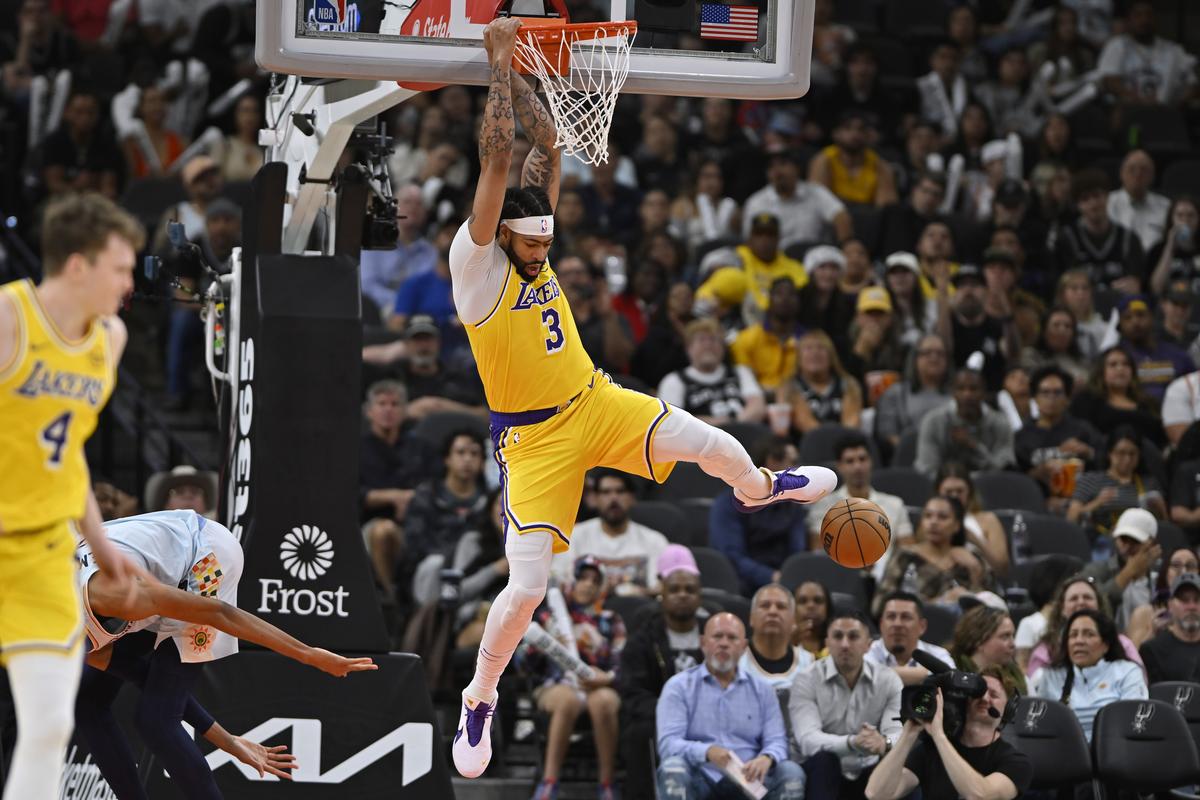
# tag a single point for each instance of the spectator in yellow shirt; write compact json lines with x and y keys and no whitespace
{"x":749,"y":284}
{"x":769,"y":348}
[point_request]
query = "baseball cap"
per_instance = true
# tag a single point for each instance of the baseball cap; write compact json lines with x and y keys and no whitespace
{"x":1136,"y":523}
{"x":967,"y":272}
{"x":1186,"y":579}
{"x":764,"y":223}
{"x":676,"y":557}
{"x":588,"y":562}
{"x":904,"y":260}
{"x":874,"y":298}
{"x":824,"y":254}
{"x":997,"y":148}
{"x":222,"y":207}
{"x":1179,"y":294}
{"x":998,"y":255}
{"x":196,"y":167}
{"x":421,"y":325}
{"x":1011,"y":193}
{"x":1133,"y":302}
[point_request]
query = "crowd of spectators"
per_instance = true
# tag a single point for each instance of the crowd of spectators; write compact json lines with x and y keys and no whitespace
{"x":966,"y":255}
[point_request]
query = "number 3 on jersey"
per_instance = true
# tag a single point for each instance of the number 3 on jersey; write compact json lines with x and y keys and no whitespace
{"x":54,"y":438}
{"x":551,"y":320}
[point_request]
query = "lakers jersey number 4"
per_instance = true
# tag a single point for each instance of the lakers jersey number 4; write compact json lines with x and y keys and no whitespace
{"x":51,"y":394}
{"x":522,"y":333}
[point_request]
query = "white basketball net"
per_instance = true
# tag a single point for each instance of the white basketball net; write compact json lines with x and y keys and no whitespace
{"x":582,"y":100}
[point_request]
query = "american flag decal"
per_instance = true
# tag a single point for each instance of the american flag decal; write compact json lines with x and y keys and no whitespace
{"x":206,"y":575}
{"x":732,"y":23}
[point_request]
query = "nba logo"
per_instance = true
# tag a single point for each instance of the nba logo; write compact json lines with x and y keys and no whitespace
{"x":545,"y":227}
{"x":330,"y":12}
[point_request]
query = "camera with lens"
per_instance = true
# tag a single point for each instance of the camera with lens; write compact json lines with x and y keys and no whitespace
{"x":958,"y":690}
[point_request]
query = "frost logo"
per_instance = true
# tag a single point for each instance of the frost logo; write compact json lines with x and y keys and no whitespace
{"x":306,"y":552}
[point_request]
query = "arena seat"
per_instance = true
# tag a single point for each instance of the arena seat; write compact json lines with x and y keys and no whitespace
{"x":999,"y":489}
{"x":1048,"y":732}
{"x":1143,"y":746}
{"x":905,"y":482}
{"x":715,"y":570}
{"x":660,"y":516}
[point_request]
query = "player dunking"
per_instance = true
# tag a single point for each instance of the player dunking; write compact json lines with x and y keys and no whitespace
{"x":554,"y":415}
{"x":59,"y":347}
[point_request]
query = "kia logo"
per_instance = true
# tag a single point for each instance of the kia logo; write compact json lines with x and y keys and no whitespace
{"x":306,"y":552}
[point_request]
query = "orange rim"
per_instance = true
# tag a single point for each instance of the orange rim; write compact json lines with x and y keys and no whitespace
{"x":552,"y":30}
{"x":548,"y":33}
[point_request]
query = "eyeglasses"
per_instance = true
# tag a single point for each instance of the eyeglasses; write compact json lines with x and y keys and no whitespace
{"x":1184,"y":565}
{"x":932,"y":352}
{"x":1051,"y":392}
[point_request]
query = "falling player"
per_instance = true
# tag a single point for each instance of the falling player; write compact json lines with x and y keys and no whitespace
{"x":195,"y":623}
{"x":554,"y":415}
{"x":59,"y":346}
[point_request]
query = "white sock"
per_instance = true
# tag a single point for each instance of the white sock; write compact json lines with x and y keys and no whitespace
{"x":682,"y":437}
{"x":43,"y":688}
{"x":528,"y":573}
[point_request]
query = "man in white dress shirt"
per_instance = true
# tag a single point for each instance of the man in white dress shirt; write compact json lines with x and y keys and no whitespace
{"x":901,"y":625}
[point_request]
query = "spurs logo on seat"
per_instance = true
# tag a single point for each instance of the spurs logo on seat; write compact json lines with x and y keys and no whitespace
{"x":1034,"y":714}
{"x":1145,"y":711}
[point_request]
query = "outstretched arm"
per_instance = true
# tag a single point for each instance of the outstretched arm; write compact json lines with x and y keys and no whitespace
{"x":542,"y":165}
{"x":497,"y":131}
{"x":154,"y":599}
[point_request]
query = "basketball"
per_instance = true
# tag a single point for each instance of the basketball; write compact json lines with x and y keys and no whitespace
{"x":855,"y":533}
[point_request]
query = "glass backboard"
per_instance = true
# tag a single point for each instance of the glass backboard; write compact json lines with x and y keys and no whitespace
{"x":758,"y":50}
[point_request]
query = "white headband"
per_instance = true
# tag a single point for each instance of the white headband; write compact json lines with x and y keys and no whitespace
{"x":531,"y":226}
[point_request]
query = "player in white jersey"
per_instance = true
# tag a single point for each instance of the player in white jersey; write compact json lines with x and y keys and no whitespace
{"x":189,"y":616}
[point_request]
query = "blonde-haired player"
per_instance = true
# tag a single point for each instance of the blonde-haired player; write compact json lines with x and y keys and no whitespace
{"x":554,"y":415}
{"x":59,"y":347}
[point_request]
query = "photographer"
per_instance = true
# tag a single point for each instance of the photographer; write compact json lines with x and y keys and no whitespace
{"x":977,"y":763}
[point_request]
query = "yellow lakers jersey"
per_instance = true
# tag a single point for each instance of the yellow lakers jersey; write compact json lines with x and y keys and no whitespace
{"x":51,"y":393}
{"x":527,"y":348}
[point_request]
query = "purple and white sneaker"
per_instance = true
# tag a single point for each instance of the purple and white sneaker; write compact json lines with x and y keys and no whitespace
{"x":796,"y":485}
{"x":473,"y":740}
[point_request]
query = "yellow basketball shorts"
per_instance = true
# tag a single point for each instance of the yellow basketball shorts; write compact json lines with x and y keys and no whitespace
{"x":542,"y":466}
{"x":39,"y":596}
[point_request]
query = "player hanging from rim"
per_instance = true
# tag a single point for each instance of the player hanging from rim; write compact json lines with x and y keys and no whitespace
{"x":191,"y":627}
{"x":554,"y":415}
{"x":60,"y":342}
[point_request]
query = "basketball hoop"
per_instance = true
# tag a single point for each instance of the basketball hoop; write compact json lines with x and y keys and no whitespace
{"x":582,"y":68}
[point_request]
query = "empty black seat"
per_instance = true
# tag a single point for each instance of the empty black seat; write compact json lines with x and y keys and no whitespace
{"x":715,"y":570}
{"x":1144,"y":746}
{"x":1185,"y":696}
{"x":999,"y":489}
{"x":905,"y":482}
{"x":662,"y":517}
{"x":434,"y":428}
{"x":1054,"y":535}
{"x":1048,"y":732}
{"x":696,"y":512}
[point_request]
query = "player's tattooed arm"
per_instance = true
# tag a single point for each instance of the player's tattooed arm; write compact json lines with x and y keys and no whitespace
{"x":497,"y":131}
{"x":542,"y":166}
